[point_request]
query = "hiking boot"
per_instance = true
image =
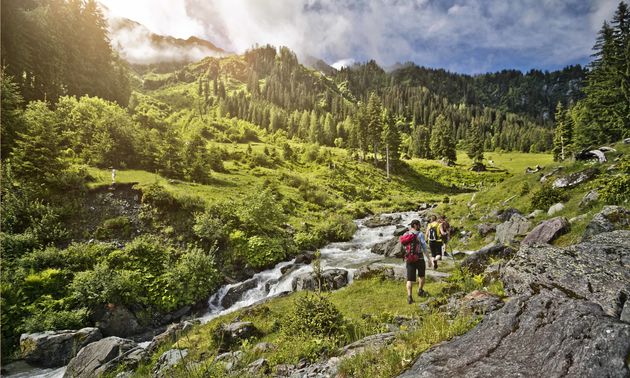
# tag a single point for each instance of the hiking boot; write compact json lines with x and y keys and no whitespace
{"x":435,"y":264}
{"x":422,"y":293}
{"x":409,"y":300}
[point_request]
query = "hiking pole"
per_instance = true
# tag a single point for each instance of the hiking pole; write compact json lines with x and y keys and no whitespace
{"x":451,"y":251}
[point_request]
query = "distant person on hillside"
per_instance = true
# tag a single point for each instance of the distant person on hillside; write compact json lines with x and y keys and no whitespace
{"x":435,"y":240}
{"x":413,"y":241}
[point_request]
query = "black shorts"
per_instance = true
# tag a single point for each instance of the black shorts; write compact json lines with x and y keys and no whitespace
{"x":414,"y":267}
{"x":436,"y":248}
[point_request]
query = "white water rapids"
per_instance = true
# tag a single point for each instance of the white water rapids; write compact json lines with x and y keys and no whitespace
{"x":269,"y":283}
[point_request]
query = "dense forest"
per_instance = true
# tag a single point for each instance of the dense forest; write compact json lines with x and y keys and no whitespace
{"x":71,"y":106}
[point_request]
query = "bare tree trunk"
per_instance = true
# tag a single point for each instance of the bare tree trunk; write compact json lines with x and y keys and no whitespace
{"x":387,"y":159}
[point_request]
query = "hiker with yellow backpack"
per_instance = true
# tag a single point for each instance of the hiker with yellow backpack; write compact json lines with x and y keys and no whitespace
{"x":433,"y":235}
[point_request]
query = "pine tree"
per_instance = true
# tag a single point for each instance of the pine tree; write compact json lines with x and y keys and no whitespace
{"x":374,"y":124}
{"x":563,"y":134}
{"x":442,"y":144}
{"x":390,"y":138}
{"x":475,"y":144}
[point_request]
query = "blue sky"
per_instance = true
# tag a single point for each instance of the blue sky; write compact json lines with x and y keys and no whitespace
{"x":468,"y":36}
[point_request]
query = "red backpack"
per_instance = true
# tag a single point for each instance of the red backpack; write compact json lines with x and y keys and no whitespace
{"x":409,"y":242}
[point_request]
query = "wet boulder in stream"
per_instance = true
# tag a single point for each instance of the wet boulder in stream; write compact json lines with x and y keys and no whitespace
{"x":332,"y":279}
{"x":388,"y":248}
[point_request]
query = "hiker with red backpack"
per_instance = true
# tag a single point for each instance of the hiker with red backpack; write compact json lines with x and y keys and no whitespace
{"x":413,"y":241}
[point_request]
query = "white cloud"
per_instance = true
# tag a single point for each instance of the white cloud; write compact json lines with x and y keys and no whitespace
{"x":343,"y":63}
{"x":462,"y":35}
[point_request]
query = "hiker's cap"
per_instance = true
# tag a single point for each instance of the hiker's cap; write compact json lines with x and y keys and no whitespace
{"x":414,"y":222}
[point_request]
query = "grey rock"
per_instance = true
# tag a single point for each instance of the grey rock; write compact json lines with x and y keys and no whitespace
{"x":172,"y":333}
{"x":117,"y":320}
{"x":625,"y":312}
{"x":589,"y":199}
{"x":260,"y":366}
{"x":230,"y":359}
{"x":486,"y":228}
{"x":547,"y":231}
{"x":626,"y":141}
{"x":477,"y":262}
{"x":305,"y":257}
{"x":492,"y":273}
{"x":264,"y":347}
{"x":535,"y":213}
{"x":235,"y":293}
{"x":609,"y":219}
{"x":331,"y":279}
{"x":374,"y":270}
{"x":241,"y":330}
{"x":556,"y":208}
{"x":597,"y":270}
{"x":381,"y":220}
{"x":548,"y":175}
{"x":575,"y":179}
{"x":388,"y":248}
{"x":480,"y":302}
{"x":548,"y":334}
{"x":55,"y":348}
{"x":168,"y":360}
{"x":508,"y":231}
{"x":505,"y":215}
{"x":93,"y":360}
{"x":373,"y":341}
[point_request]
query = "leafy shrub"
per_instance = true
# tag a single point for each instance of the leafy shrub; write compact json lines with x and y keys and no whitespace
{"x":311,"y":153}
{"x":46,"y":316}
{"x":261,"y":160}
{"x":157,"y":196}
{"x":47,"y":281}
{"x":15,"y":245}
{"x":616,"y":189}
{"x":263,"y":252}
{"x":313,"y":315}
{"x":305,"y":240}
{"x":336,"y":228}
{"x":194,"y":277}
{"x":77,"y":257}
{"x":261,"y":212}
{"x":546,"y":197}
{"x":145,"y":253}
{"x":119,"y":227}
{"x":105,"y":285}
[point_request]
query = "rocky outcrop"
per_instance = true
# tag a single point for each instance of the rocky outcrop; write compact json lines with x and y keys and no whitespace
{"x":477,"y":262}
{"x":400,"y":230}
{"x":55,"y":348}
{"x":486,"y":228}
{"x":609,"y":219}
{"x":117,"y":320}
{"x":597,"y":270}
{"x":381,"y":220}
{"x":547,"y":231}
{"x":575,"y":179}
{"x":508,"y":231}
{"x":555,"y":208}
{"x":104,"y":356}
{"x":375,"y":270}
{"x":235,"y":292}
{"x":172,"y":333}
{"x":563,"y":320}
{"x":589,"y":199}
{"x":388,"y":248}
{"x":167,"y":361}
{"x":331,"y":279}
{"x":228,"y":334}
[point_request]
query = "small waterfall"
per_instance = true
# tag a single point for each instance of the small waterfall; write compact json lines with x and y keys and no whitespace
{"x":269,"y":283}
